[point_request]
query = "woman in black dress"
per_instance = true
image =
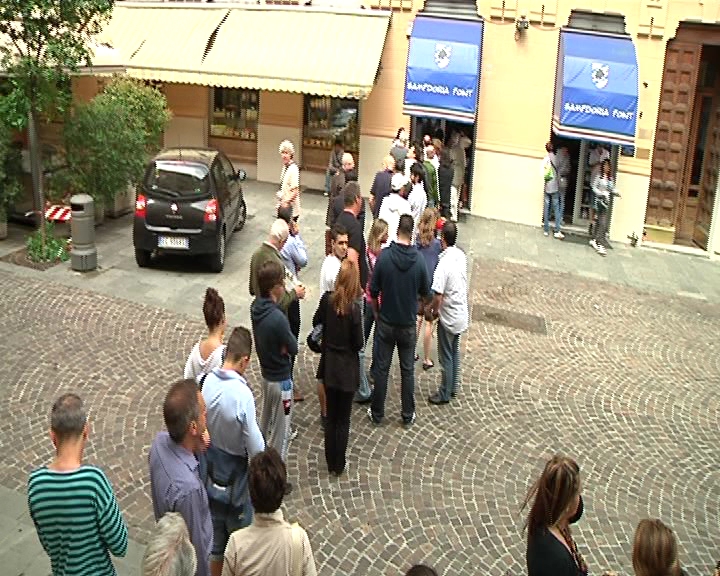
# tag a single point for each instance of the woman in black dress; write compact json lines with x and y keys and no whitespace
{"x":339,"y":313}
{"x":551,"y":550}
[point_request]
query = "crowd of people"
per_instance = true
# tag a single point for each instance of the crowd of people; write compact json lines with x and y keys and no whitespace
{"x":218,"y":472}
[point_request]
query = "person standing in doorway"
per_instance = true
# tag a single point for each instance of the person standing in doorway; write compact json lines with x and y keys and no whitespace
{"x":450,"y":304}
{"x":603,"y":187}
{"x":400,"y":278}
{"x":551,"y":192}
{"x":276,"y":344}
{"x":334,"y":164}
{"x":289,"y":193}
{"x":564,"y":165}
{"x":399,"y":148}
{"x":72,"y":505}
{"x":431,"y":165}
{"x":445,"y":182}
{"x":417,"y":196}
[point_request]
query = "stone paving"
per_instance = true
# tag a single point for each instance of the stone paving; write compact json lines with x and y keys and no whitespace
{"x":624,"y":380}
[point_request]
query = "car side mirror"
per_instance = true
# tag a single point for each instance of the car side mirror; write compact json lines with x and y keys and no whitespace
{"x":242,"y":175}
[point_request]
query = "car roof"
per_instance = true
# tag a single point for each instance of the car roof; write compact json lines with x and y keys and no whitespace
{"x":203,"y":156}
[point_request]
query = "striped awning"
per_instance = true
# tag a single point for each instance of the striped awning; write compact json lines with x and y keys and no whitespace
{"x":281,"y":48}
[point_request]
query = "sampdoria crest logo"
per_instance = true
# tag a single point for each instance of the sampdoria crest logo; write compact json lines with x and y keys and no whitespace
{"x":442,"y":55}
{"x":600,"y":75}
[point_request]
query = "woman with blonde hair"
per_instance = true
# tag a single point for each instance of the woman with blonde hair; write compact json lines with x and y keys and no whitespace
{"x":376,"y":238}
{"x":429,"y":246}
{"x":556,"y":503}
{"x":340,"y":315}
{"x":655,"y":550}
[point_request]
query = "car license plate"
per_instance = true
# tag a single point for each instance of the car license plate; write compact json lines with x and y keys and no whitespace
{"x":174,"y":242}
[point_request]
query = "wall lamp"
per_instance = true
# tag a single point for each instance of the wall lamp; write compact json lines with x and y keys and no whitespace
{"x":521,"y":25}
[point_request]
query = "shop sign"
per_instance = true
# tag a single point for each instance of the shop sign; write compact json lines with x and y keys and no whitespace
{"x":443,"y":69}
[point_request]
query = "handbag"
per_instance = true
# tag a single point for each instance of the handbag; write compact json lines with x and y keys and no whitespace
{"x":314,"y":339}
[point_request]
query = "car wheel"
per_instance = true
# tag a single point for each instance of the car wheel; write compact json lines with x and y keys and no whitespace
{"x":242,"y":216}
{"x":218,"y":259}
{"x":142,"y":257}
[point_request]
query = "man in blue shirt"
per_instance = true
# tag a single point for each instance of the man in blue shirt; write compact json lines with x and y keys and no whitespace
{"x":234,"y":438}
{"x":174,"y":470}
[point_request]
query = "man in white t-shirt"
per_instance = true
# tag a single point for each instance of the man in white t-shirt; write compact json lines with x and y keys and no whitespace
{"x":331,"y":265}
{"x":289,"y":193}
{"x":395,"y":205}
{"x":418,"y":196}
{"x":450,"y":303}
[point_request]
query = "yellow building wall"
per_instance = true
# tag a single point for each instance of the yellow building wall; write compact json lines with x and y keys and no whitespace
{"x":190,"y":107}
{"x":281,"y":118}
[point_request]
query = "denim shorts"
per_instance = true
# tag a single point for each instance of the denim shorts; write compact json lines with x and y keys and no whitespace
{"x":225,"y":520}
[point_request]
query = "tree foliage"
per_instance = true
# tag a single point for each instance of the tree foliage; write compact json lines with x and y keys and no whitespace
{"x":108,"y":140}
{"x":41,"y":43}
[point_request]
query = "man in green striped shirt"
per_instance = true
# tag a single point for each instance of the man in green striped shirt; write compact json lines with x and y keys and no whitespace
{"x":72,"y":505}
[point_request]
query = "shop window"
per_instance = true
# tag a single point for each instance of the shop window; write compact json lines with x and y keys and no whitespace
{"x":234,"y":113}
{"x":329,"y":118}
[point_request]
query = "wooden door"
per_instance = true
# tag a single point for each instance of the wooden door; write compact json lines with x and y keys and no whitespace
{"x":672,"y":134}
{"x":709,"y":179}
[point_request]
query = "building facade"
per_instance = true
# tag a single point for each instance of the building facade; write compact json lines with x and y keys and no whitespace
{"x":635,"y":78}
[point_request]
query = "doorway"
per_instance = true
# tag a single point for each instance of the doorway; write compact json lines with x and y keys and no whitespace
{"x":686,"y":155}
{"x":443,"y":130}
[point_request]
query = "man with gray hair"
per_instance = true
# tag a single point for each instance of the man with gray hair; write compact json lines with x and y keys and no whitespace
{"x":68,"y":498}
{"x":169,"y":551}
{"x":269,"y":251}
{"x":289,"y":193}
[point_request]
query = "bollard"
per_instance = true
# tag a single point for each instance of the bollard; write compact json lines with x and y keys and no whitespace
{"x":83,"y":256}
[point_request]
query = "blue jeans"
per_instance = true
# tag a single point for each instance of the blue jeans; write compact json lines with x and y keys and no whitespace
{"x":328,"y":179}
{"x":555,"y":199}
{"x":363,"y":392}
{"x":388,"y":336}
{"x":449,"y":355}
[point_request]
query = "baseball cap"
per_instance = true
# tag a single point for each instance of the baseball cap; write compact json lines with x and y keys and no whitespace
{"x":398,"y":181}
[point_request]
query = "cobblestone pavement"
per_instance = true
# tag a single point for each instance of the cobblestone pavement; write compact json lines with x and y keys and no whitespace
{"x":626,"y":381}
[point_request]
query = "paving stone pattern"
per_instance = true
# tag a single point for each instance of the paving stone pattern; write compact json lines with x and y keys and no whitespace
{"x":626,"y":381}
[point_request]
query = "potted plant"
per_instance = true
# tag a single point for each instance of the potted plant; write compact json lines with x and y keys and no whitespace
{"x":109,"y":139}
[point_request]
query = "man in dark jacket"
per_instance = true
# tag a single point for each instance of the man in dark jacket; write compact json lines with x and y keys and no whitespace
{"x":381,"y":184}
{"x":275,"y":345}
{"x":399,"y":278}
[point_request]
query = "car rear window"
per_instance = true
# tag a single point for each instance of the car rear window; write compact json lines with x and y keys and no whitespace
{"x":178,"y":179}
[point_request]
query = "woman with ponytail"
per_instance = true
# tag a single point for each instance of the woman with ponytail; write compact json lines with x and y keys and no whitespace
{"x":208,"y":353}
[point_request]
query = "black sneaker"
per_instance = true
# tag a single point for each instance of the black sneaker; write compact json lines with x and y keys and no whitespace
{"x":372,"y":418}
{"x":407,"y":422}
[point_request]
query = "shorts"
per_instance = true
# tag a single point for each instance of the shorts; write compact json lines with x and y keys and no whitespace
{"x":225,"y":520}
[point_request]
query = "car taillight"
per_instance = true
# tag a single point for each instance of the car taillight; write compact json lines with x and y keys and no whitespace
{"x":211,"y":211}
{"x":140,"y":206}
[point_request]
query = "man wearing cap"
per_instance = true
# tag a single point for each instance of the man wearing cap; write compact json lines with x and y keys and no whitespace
{"x":395,"y":205}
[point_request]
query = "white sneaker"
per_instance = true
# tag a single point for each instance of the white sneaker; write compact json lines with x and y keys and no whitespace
{"x":293,"y":434}
{"x":601,"y":250}
{"x":546,"y":233}
{"x":559,"y":235}
{"x":594,"y":244}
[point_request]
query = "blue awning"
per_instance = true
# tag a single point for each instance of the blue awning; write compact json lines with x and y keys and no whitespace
{"x":443,"y":69}
{"x":596,"y":87}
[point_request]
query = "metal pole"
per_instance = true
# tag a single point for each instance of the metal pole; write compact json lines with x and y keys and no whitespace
{"x":36,"y":173}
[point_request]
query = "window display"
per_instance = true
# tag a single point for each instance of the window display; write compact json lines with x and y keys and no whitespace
{"x":234,"y":113}
{"x":329,"y":118}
